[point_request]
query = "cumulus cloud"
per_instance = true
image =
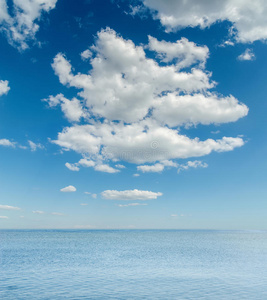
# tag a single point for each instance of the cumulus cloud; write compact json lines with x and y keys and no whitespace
{"x":4,"y":88}
{"x":35,"y":146}
{"x":151,"y":168}
{"x":72,"y":167}
{"x":7,"y":143}
{"x":247,"y":55}
{"x":192,"y":164}
{"x":86,"y":54}
{"x":19,"y":22}
{"x":68,"y":189}
{"x":8,"y":207}
{"x":159,"y":167}
{"x":87,"y":163}
{"x":183,"y":52}
{"x":130,"y":195}
{"x":72,"y":109}
{"x":135,"y":105}
{"x":248,"y":18}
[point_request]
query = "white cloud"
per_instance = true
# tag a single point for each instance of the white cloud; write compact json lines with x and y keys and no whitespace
{"x":72,"y":167}
{"x":87,"y":193}
{"x":159,"y":167}
{"x":106,"y":168}
{"x":248,"y":18}
{"x":247,"y":55}
{"x":3,"y":217}
{"x":131,"y":204}
{"x":183,"y":52}
{"x":192,"y":164}
{"x":135,"y":105}
{"x":72,"y":109}
{"x":152,"y":168}
{"x":39,"y":212}
{"x":86,"y":54}
{"x":4,"y":88}
{"x":130,"y":195}
{"x":7,"y":143}
{"x":87,"y":163}
{"x":34,"y":146}
{"x":94,"y":196}
{"x":175,"y":110}
{"x":136,"y":175}
{"x":120,"y":166}
{"x":83,"y":204}
{"x":68,"y":189}
{"x":174,"y":215}
{"x":19,"y":23}
{"x":8,"y":207}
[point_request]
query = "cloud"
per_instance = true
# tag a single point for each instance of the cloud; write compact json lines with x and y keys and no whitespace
{"x":152,"y":168}
{"x":72,"y":167}
{"x":39,"y":212}
{"x":4,"y":88}
{"x":106,"y":168}
{"x":135,"y":105}
{"x":68,"y":189}
{"x":3,"y":217}
{"x":19,"y":22}
{"x":136,"y":175}
{"x":72,"y":109}
{"x":248,"y":18}
{"x":83,"y":204}
{"x":120,"y":166}
{"x":159,"y":167}
{"x":192,"y":164}
{"x":8,"y":207}
{"x":7,"y":143}
{"x":247,"y":55}
{"x":94,"y":196}
{"x":86,"y":54}
{"x":183,"y":52}
{"x":34,"y":146}
{"x":131,"y":204}
{"x":87,"y":163}
{"x":130,"y":195}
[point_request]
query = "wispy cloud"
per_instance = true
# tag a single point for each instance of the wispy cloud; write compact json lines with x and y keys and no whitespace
{"x":8,"y":207}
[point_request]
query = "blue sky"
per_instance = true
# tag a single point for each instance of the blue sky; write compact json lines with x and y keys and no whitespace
{"x":133,"y":114}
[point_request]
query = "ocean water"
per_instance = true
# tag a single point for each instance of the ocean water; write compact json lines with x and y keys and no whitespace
{"x":133,"y":264}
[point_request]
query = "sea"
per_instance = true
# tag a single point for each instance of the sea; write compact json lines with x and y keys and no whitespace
{"x":133,"y":264}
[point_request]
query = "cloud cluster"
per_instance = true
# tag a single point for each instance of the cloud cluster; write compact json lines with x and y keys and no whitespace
{"x":248,"y":18}
{"x":19,"y":21}
{"x":4,"y":88}
{"x":132,"y":107}
{"x":130,"y":195}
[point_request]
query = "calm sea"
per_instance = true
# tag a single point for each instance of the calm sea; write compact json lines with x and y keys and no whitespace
{"x":134,"y":264}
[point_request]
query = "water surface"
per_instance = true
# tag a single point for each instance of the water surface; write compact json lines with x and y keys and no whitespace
{"x":134,"y":264}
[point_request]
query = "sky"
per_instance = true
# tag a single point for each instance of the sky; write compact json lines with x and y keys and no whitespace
{"x":133,"y":114}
